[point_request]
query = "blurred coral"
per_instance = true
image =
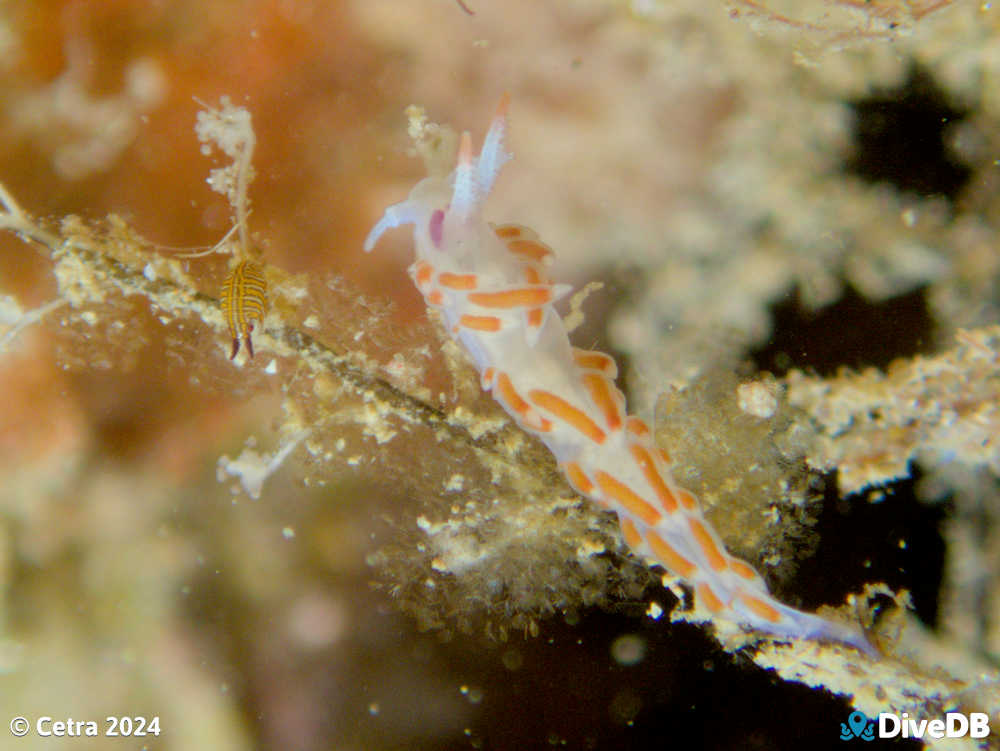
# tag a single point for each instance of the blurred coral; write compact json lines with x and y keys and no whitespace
{"x":702,"y":163}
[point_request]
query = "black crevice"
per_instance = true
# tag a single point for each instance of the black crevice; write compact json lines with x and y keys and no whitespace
{"x":853,"y":332}
{"x":880,"y":535}
{"x":900,"y":138}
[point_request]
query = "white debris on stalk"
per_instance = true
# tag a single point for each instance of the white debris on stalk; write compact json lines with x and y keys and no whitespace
{"x":253,"y":468}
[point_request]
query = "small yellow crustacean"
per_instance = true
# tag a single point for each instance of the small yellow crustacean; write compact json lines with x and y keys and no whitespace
{"x":244,"y":303}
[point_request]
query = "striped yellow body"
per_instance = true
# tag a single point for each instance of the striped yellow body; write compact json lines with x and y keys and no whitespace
{"x":244,"y":303}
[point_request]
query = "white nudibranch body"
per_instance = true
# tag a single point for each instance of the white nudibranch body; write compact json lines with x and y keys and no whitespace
{"x":490,"y":285}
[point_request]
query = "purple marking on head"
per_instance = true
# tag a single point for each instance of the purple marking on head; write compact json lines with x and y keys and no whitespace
{"x":437,"y":228}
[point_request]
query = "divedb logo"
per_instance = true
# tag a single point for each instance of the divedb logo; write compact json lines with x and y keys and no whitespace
{"x":954,"y":725}
{"x":889,"y":725}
